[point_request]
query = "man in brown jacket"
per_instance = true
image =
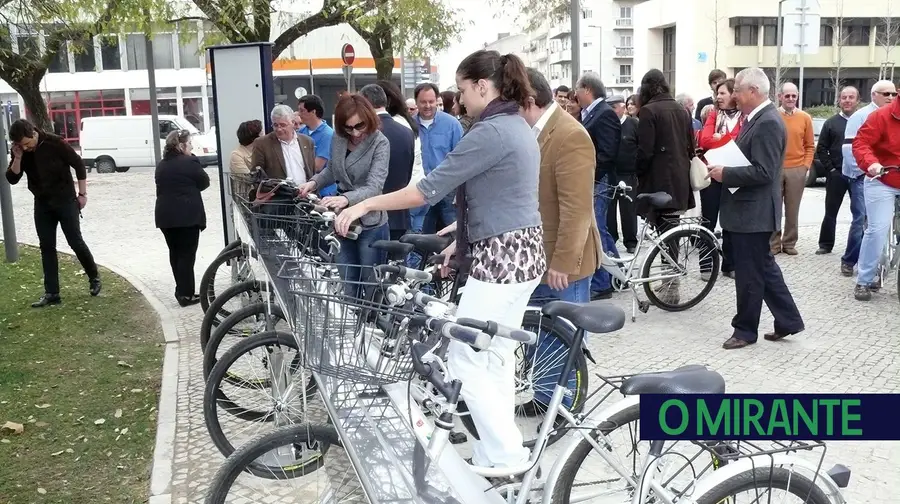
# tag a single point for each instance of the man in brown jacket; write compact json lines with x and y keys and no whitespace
{"x":565,"y":197}
{"x":283,"y":153}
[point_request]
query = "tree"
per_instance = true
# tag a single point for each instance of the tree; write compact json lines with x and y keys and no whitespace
{"x":716,"y":19}
{"x":838,"y":41}
{"x":888,"y":37}
{"x":534,"y":13}
{"x":62,"y":25}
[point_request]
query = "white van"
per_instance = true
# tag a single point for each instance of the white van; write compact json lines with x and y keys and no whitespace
{"x":116,"y":143}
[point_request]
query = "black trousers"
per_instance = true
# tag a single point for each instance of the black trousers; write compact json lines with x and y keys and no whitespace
{"x":836,"y":186}
{"x":626,"y":213}
{"x":183,"y":244}
{"x":710,"y":201}
{"x":396,"y":234}
{"x":758,"y":279}
{"x":47,"y":215}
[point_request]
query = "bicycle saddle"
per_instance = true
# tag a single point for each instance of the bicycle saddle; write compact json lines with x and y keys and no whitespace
{"x":428,"y":243}
{"x":657,"y":199}
{"x":595,"y":318}
{"x":395,"y":249}
{"x":693,"y":379}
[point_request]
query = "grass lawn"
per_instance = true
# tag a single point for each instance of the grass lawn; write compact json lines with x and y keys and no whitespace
{"x":83,"y":379}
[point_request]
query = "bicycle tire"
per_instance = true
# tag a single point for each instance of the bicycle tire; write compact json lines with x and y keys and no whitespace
{"x":216,"y":312}
{"x":207,"y":287}
{"x":213,"y":398}
{"x":562,"y":492}
{"x":218,"y":334}
{"x":231,"y":246}
{"x":243,"y":459}
{"x":532,"y":321}
{"x":762,"y":478}
{"x":714,"y":272}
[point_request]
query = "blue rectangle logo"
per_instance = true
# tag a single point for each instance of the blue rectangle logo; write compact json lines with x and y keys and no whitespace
{"x":783,"y":417}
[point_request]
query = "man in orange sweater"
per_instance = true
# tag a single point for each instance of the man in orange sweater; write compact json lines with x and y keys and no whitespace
{"x":798,"y":158}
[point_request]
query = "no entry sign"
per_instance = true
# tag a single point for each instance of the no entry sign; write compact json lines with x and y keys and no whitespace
{"x":348,"y":54}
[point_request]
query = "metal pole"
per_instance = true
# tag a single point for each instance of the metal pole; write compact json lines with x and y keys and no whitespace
{"x":779,"y":34}
{"x":403,"y":73}
{"x":6,"y":207}
{"x":154,"y":105}
{"x":802,"y":48}
{"x":575,"y":38}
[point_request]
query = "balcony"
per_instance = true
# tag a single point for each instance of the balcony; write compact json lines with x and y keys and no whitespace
{"x":624,"y":79}
{"x":624,"y":52}
{"x":624,"y":23}
{"x":539,"y":56}
{"x":561,"y":29}
{"x":563,"y":56}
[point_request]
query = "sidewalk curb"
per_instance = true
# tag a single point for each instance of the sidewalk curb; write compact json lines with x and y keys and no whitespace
{"x":164,"y":448}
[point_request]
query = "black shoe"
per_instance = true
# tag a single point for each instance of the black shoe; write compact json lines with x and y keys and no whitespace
{"x":188,"y":300}
{"x":47,"y":300}
{"x":96,"y":286}
{"x":823,"y":251}
{"x":604,"y":294}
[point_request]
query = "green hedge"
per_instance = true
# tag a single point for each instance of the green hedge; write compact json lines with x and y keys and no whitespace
{"x":826,"y":111}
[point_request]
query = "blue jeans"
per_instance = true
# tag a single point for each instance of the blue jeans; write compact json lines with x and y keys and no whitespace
{"x":417,"y":218}
{"x":359,"y":253}
{"x":578,"y":291}
{"x":879,"y":212}
{"x":601,"y":279}
{"x":858,"y":224}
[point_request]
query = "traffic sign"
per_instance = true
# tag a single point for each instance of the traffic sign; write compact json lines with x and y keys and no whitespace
{"x":348,"y":55}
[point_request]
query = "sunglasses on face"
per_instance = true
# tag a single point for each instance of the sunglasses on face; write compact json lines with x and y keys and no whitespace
{"x":886,"y":94}
{"x":358,"y":127}
{"x":790,"y":96}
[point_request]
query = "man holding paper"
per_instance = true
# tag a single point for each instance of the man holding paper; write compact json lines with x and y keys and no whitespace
{"x":751,"y":212}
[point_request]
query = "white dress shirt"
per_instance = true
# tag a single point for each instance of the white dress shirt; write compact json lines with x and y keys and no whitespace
{"x":757,"y":109}
{"x":293,"y":160}
{"x":539,"y":125}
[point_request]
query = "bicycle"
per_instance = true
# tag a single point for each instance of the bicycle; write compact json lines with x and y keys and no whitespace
{"x":889,"y":260}
{"x":663,"y":234}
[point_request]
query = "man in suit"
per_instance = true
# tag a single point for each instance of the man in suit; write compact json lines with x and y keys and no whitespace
{"x":402,"y":155}
{"x":284,"y":153}
{"x":605,"y":130}
{"x":565,"y":197}
{"x":751,"y":212}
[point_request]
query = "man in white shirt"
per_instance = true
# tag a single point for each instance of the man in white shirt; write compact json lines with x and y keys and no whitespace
{"x":283,"y":153}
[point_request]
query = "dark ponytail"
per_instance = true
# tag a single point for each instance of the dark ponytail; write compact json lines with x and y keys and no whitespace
{"x":507,"y":72}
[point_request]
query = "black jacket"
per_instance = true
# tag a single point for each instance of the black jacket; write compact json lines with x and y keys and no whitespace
{"x":49,"y":168}
{"x":627,"y":158}
{"x":604,"y":128}
{"x":179,"y":180}
{"x":701,"y":105}
{"x":831,"y":138}
{"x":403,"y":153}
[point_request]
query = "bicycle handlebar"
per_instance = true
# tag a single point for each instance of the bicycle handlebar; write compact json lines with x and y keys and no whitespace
{"x":403,"y":271}
{"x":452,"y":330}
{"x":885,"y":169}
{"x":494,"y":329}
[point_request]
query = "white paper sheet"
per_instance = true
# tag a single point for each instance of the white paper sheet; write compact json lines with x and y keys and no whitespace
{"x":727,"y":155}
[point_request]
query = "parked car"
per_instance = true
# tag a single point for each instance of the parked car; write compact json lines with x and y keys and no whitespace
{"x":818,"y":169}
{"x":116,"y":143}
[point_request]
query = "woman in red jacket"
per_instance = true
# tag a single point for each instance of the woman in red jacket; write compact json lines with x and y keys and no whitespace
{"x":722,"y":126}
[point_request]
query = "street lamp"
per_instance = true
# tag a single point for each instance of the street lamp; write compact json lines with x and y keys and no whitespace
{"x":780,"y":41}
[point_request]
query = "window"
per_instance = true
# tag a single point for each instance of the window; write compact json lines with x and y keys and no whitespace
{"x":746,"y":35}
{"x":188,"y":50}
{"x":136,"y":52}
{"x":192,"y":105}
{"x":625,"y":12}
{"x":166,"y":127}
{"x":668,"y":68}
{"x":826,"y":35}
{"x":625,"y":41}
{"x":770,"y":35}
{"x":856,"y":34}
{"x":109,"y":53}
{"x":28,"y":45}
{"x":587,"y":14}
{"x":625,"y":70}
{"x":60,"y":61}
{"x":163,"y":51}
{"x":85,"y":60}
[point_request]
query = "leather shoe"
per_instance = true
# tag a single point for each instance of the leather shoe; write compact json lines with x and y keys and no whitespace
{"x":775,"y":335}
{"x":732,"y":343}
{"x":823,"y":251}
{"x":188,"y":300}
{"x":791,"y":251}
{"x":96,"y":286}
{"x":47,"y":300}
{"x":729,"y":274}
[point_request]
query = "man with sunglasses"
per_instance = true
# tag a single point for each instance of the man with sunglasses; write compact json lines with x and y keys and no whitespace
{"x":798,"y":158}
{"x":48,"y":160}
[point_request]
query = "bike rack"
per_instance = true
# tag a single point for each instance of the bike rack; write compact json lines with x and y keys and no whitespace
{"x":374,"y":426}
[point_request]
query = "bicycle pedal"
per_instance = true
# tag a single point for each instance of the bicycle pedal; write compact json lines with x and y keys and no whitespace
{"x":458,"y":437}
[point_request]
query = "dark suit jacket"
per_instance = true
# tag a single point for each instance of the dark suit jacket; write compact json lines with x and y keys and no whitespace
{"x":403,"y":153}
{"x":179,"y":181}
{"x":605,"y":130}
{"x":756,"y":206}
{"x":267,"y":155}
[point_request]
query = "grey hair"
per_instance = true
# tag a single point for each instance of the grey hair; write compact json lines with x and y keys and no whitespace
{"x":593,"y":83}
{"x":754,"y":77}
{"x":883,"y":84}
{"x":375,"y":94}
{"x":282,"y":112}
{"x":704,"y":114}
{"x":682,"y":98}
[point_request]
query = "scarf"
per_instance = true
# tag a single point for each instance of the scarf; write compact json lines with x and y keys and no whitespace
{"x":495,"y":107}
{"x":727,"y":120}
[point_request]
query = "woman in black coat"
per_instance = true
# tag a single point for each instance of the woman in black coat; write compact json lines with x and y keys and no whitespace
{"x":179,"y":210}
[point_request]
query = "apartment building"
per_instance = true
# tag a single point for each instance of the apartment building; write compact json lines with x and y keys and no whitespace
{"x":111,"y":77}
{"x":689,"y":38}
{"x":511,"y":43}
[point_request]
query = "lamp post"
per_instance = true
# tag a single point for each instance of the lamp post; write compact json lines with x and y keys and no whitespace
{"x":779,"y":35}
{"x":575,"y":19}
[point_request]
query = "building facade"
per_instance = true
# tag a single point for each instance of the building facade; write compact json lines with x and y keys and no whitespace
{"x":687,"y":39}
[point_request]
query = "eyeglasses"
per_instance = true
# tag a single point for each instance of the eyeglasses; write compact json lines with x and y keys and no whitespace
{"x":886,"y":94}
{"x":358,"y":127}
{"x":790,"y":96}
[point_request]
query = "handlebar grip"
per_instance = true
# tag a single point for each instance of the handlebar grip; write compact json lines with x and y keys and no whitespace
{"x":351,"y":235}
{"x":494,"y":329}
{"x":403,"y":271}
{"x":472,"y":337}
{"x":423,"y":299}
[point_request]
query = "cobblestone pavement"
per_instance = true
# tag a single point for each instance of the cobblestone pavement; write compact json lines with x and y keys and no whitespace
{"x":847,"y":346}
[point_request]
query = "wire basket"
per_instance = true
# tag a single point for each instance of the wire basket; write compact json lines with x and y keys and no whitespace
{"x":282,"y":231}
{"x":344,"y":325}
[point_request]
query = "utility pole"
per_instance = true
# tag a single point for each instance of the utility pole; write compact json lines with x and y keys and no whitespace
{"x":802,"y":48}
{"x":575,"y":15}
{"x":6,"y":207}
{"x":154,"y":104}
{"x":779,"y":34}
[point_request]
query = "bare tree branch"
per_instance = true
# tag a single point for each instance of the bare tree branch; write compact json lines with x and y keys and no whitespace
{"x":839,"y":40}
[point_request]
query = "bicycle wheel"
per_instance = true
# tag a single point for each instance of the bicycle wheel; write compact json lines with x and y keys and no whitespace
{"x":231,"y":299}
{"x":237,"y":260}
{"x":244,"y":322}
{"x":758,"y":480}
{"x":537,"y":371}
{"x":285,"y":444}
{"x":255,"y":354}
{"x":231,"y":246}
{"x":667,"y":294}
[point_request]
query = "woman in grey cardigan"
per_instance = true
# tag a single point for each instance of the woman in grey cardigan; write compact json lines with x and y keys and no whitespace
{"x":359,"y":164}
{"x":496,"y":167}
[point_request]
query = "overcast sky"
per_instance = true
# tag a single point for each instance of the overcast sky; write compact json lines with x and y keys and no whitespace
{"x":482,"y":29}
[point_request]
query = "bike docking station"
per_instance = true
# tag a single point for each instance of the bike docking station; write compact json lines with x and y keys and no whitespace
{"x":385,"y":443}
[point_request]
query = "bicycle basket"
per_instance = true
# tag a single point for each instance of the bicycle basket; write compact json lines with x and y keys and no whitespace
{"x":284,"y":232}
{"x":344,"y":326}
